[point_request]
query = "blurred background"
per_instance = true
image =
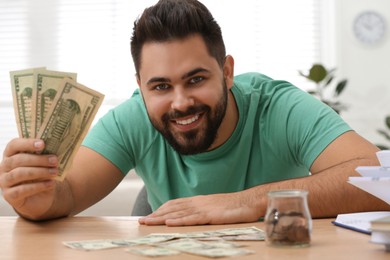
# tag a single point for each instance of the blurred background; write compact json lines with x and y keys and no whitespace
{"x":276,"y":37}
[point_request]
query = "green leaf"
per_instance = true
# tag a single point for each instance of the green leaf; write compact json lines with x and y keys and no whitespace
{"x":329,"y":81}
{"x":317,"y":73}
{"x":384,"y":134}
{"x":382,"y":147}
{"x":340,"y":87}
{"x":301,"y":73}
{"x":388,"y":122}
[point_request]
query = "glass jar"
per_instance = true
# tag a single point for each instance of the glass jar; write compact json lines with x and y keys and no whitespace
{"x":288,"y":221}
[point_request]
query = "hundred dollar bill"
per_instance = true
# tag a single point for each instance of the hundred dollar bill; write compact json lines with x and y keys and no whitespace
{"x":68,"y":120}
{"x":22,"y":92}
{"x":45,"y":84}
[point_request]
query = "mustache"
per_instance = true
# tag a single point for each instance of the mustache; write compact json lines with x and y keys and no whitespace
{"x":190,"y":111}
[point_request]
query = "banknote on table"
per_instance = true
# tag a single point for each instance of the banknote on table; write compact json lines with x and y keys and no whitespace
{"x":151,"y":239}
{"x":209,"y":249}
{"x":227,"y":232}
{"x":68,"y":120}
{"x":91,"y":245}
{"x":22,"y":83}
{"x":164,"y":244}
{"x":153,"y":251}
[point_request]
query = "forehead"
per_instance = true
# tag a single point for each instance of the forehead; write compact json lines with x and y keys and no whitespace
{"x":175,"y":57}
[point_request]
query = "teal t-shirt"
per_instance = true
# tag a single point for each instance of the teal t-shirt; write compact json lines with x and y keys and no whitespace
{"x":280,"y":132}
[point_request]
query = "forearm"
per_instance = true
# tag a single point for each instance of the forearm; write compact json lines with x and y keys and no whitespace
{"x":329,"y":192}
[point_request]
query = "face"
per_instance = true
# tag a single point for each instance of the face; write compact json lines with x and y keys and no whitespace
{"x":185,"y":92}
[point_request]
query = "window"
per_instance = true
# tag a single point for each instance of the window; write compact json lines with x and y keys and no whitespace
{"x":91,"y":37}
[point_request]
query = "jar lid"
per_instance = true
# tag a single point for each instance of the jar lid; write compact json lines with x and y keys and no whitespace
{"x":287,"y":193}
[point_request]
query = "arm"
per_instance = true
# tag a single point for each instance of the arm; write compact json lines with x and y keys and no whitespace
{"x":329,"y":192}
{"x":26,"y":179}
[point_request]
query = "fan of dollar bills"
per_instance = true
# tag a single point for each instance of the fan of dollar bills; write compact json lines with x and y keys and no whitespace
{"x":52,"y":106}
{"x":211,"y":243}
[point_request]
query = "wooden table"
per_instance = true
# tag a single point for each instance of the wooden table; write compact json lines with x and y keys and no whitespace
{"x":21,"y":239}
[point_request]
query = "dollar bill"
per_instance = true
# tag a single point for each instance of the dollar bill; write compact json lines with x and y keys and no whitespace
{"x":220,"y":252}
{"x":22,"y":92}
{"x":153,"y":251}
{"x":68,"y":120}
{"x":226,"y":232}
{"x":165,"y":244}
{"x":209,"y":249}
{"x":91,"y":245}
{"x":45,"y":85}
{"x":88,"y":245}
{"x":249,"y":237}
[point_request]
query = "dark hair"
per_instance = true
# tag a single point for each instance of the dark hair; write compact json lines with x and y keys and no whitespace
{"x":176,"y":19}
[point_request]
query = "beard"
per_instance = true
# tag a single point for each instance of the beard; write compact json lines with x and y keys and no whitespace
{"x":197,"y":140}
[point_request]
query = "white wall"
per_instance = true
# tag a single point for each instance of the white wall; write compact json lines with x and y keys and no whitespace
{"x":366,"y":67}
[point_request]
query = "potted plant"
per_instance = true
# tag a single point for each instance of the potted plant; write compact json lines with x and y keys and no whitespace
{"x":323,"y":79}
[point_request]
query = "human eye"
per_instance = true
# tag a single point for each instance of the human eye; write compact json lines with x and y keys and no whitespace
{"x":161,"y":87}
{"x":196,"y":80}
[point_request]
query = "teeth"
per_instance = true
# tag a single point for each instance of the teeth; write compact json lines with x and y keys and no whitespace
{"x":187,"y":121}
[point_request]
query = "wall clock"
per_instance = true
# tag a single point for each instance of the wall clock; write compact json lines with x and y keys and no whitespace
{"x":369,"y":27}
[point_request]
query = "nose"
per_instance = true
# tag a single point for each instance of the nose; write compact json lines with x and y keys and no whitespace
{"x":182,"y":99}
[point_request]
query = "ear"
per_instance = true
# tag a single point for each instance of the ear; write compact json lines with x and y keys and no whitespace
{"x":228,"y":71}
{"x":138,"y":81}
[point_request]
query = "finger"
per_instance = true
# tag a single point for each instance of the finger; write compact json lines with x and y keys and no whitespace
{"x":171,"y":209}
{"x":162,"y":215}
{"x":175,"y":205}
{"x":190,"y":220}
{"x":19,"y":145}
{"x":26,"y":174}
{"x":177,"y":219}
{"x":21,"y":192}
{"x":28,"y":160}
{"x":153,"y":221}
{"x":162,"y":211}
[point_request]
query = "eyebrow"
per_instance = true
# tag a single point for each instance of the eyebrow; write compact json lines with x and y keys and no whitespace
{"x":186,"y":75}
{"x":194,"y":72}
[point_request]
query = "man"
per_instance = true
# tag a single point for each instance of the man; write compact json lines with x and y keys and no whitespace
{"x":208,"y":145}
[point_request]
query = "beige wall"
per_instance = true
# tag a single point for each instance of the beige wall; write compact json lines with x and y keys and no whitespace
{"x":366,"y":67}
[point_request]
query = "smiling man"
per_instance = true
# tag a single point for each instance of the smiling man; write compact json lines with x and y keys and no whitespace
{"x":209,"y":145}
{"x":186,"y":94}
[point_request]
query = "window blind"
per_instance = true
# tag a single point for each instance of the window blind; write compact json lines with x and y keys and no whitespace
{"x":92,"y":38}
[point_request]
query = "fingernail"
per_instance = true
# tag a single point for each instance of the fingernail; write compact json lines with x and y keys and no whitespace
{"x":38,"y":144}
{"x":53,"y":160}
{"x":53,"y":171}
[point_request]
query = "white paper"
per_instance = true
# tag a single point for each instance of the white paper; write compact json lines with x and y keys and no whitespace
{"x":373,"y":171}
{"x":360,"y":221}
{"x":379,"y":187}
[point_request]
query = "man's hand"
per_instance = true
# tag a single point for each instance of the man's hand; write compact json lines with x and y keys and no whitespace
{"x":26,"y":177}
{"x":201,"y":210}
